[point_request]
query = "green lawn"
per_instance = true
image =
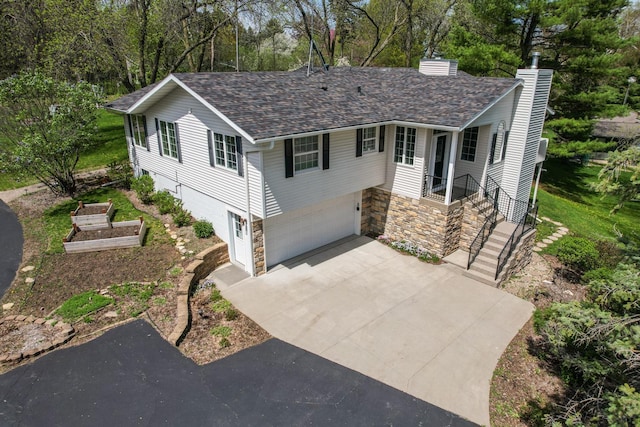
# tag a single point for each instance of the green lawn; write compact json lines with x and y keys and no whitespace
{"x":566,"y":196}
{"x":111,"y":147}
{"x":58,"y":224}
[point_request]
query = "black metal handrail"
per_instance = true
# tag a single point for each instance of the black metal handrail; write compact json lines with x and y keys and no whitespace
{"x":434,"y":187}
{"x":482,"y":237}
{"x":512,"y":209}
{"x":526,"y":223}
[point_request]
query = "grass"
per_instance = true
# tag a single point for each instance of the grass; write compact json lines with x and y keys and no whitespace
{"x":58,"y":224}
{"x":566,"y":196}
{"x":110,"y":146}
{"x":138,"y":293}
{"x":82,"y":304}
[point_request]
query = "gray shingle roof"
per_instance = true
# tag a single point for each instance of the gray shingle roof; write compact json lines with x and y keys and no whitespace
{"x":272,"y":104}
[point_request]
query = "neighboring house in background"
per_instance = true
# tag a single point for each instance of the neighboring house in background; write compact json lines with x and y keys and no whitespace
{"x":284,"y":162}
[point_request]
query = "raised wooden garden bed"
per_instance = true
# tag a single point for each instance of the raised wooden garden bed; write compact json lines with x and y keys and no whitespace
{"x":92,"y":215}
{"x":123,"y":234}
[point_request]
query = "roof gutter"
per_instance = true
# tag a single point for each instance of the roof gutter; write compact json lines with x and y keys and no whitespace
{"x":346,"y":128}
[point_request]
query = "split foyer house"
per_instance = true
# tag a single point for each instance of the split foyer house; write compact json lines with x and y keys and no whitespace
{"x":285,"y":162}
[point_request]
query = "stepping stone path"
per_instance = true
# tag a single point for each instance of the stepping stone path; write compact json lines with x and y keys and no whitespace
{"x":28,"y":268}
{"x":560,"y":231}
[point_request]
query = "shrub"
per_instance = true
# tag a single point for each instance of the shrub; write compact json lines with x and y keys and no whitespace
{"x":224,"y":342}
{"x":165,"y":202}
{"x":181,"y":217}
{"x":231,"y":314}
{"x":203,"y":228}
{"x":143,"y":186}
{"x":578,"y":253}
{"x":120,"y":173}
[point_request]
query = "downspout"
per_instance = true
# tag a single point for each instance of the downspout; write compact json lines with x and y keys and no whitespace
{"x":245,"y":160}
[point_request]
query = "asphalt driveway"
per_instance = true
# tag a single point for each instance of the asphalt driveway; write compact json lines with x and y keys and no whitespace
{"x":10,"y":246}
{"x":130,"y":376}
{"x":423,"y":329}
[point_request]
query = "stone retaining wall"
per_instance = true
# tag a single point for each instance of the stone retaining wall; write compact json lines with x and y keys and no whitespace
{"x":432,"y":225}
{"x":205,"y":262}
{"x":65,"y":333}
{"x":523,"y":254}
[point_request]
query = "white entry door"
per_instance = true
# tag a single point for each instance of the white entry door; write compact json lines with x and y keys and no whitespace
{"x":237,"y":237}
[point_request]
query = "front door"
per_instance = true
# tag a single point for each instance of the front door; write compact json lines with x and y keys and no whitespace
{"x":237,"y":237}
{"x":440,"y":160}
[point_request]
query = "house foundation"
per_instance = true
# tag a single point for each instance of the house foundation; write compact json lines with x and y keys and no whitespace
{"x":432,"y":225}
{"x":259,"y":264}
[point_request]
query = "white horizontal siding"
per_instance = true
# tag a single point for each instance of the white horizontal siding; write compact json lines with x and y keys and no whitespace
{"x":347,"y":174}
{"x":195,"y":173}
{"x":525,"y":133}
{"x":477,"y":167}
{"x":254,"y":172}
{"x":406,"y":179}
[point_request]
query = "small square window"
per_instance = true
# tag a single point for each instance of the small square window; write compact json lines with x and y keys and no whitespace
{"x":305,"y":153}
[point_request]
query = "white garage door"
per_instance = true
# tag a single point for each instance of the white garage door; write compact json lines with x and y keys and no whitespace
{"x":294,"y":233}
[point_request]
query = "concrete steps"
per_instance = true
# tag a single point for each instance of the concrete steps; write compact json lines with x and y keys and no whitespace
{"x":485,"y":265}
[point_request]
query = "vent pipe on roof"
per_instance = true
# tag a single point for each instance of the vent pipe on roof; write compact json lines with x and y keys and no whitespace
{"x":535,"y":57}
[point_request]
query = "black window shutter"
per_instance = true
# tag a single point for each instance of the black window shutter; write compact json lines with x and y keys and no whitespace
{"x":212,"y":160}
{"x":359,"y":143}
{"x":381,"y":139}
{"x":325,"y":151}
{"x":130,"y":129}
{"x":239,"y":158}
{"x":175,"y":127}
{"x":288,"y":158}
{"x":492,"y":153}
{"x":146,"y":133}
{"x":158,"y":135}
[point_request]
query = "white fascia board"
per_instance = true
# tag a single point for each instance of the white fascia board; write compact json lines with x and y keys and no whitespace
{"x":494,"y":102}
{"x":346,"y":128}
{"x":167,"y":80}
{"x":173,"y":79}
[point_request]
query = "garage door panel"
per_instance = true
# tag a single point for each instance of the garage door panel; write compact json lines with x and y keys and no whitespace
{"x":293,"y":233}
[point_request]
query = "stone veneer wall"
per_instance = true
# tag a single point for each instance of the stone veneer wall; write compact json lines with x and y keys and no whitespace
{"x":432,"y":225}
{"x":260,"y":266}
{"x":523,"y":254}
{"x":472,"y":221}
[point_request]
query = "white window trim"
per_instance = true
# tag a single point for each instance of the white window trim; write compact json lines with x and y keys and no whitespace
{"x":374,"y":149}
{"x":165,"y":134}
{"x":475,"y":148}
{"x":500,"y":133}
{"x":304,"y":153}
{"x":228,"y":150}
{"x":404,"y":159}
{"x":137,"y":127}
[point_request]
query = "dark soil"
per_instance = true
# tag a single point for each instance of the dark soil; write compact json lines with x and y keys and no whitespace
{"x":105,"y":233}
{"x":523,"y":384}
{"x":204,"y":347}
{"x":90,"y":210}
{"x":161,"y":263}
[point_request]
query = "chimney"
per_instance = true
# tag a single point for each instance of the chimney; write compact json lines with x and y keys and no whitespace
{"x":535,"y":57}
{"x":438,"y":67}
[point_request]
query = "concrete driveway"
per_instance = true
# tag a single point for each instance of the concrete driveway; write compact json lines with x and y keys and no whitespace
{"x":423,"y":329}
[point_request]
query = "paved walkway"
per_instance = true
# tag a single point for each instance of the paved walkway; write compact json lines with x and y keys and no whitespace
{"x":130,"y":376}
{"x":423,"y":329}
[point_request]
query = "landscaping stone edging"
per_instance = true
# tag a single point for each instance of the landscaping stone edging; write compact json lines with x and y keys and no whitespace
{"x":66,"y":333}
{"x":205,"y":262}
